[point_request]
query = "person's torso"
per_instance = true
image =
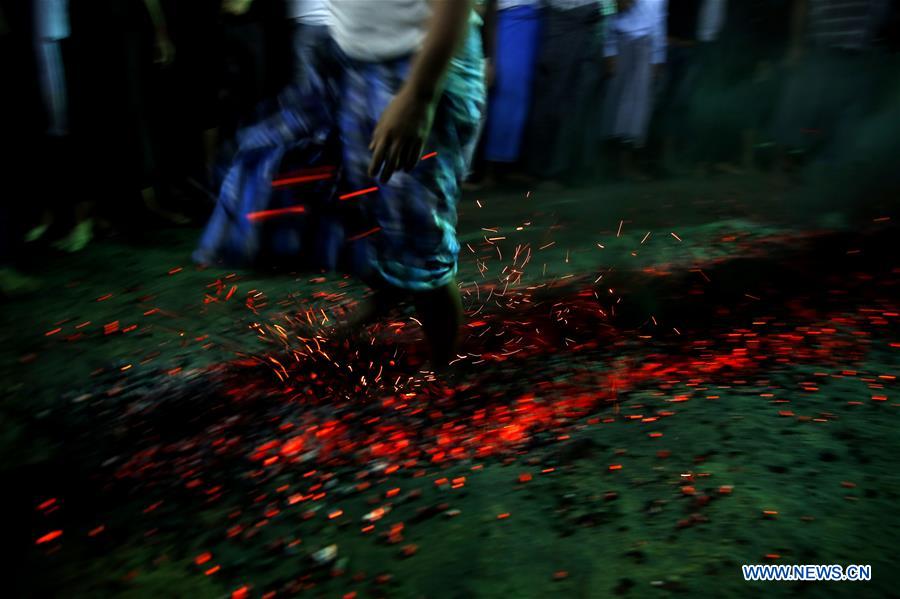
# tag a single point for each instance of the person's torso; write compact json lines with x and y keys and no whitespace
{"x":375,"y":30}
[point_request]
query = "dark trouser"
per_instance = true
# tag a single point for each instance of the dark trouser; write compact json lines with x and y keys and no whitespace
{"x":563,"y":129}
{"x":21,"y":122}
{"x":115,"y":101}
{"x":680,"y":78}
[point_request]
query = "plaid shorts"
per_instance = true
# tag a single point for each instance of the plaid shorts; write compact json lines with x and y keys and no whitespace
{"x":404,"y":232}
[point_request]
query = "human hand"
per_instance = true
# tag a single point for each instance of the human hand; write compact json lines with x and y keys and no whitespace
{"x":400,"y":134}
{"x":164,"y":50}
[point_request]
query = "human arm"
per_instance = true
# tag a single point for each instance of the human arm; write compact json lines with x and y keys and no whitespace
{"x":165,"y":49}
{"x":403,"y":128}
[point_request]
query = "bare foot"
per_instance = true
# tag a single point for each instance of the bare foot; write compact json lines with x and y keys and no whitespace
{"x":78,"y":238}
{"x":13,"y":283}
{"x":36,"y":233}
{"x":368,"y":310}
{"x":441,"y":313}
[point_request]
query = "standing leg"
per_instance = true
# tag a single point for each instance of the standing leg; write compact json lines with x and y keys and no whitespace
{"x":384,"y":298}
{"x":412,"y":243}
{"x":441,"y":313}
{"x":544,"y":154}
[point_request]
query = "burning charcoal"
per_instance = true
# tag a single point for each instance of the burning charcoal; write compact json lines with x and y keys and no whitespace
{"x":377,"y":514}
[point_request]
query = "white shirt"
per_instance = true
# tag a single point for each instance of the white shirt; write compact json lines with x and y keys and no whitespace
{"x":309,"y":12}
{"x":645,"y":18}
{"x":376,"y":30}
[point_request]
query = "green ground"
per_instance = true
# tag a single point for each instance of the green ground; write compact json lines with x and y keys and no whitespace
{"x":741,"y":410}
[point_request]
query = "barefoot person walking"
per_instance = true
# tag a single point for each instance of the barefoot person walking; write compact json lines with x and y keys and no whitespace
{"x":390,"y":86}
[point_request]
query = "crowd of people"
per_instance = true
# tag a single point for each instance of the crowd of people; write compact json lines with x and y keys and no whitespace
{"x":124,"y":112}
{"x":641,"y":88}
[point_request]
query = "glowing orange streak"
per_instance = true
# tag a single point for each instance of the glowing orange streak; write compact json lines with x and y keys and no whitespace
{"x":301,"y":179}
{"x":364,"y":234}
{"x":361,"y":192}
{"x":53,"y":534}
{"x":264,"y":214}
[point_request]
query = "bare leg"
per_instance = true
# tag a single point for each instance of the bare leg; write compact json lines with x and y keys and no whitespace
{"x":83,"y":231}
{"x":441,"y":314}
{"x":368,"y":310}
{"x":439,"y":310}
{"x":381,"y":302}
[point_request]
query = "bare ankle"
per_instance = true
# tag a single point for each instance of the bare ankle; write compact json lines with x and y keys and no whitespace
{"x":440,"y":311}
